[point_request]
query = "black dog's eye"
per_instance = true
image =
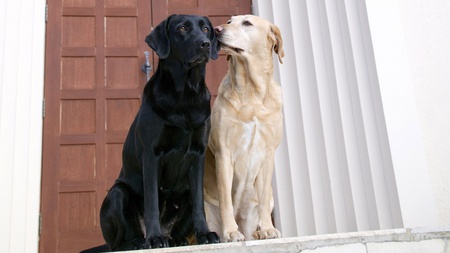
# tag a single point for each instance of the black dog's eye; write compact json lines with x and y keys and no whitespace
{"x":229,"y":21}
{"x":205,"y":29}
{"x":182,"y":28}
{"x":247,"y":23}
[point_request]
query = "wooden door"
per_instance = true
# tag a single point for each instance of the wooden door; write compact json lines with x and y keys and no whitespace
{"x":93,"y":84}
{"x":94,"y":50}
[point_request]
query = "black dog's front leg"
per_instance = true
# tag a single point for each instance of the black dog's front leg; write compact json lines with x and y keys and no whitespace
{"x":202,"y":232}
{"x":153,"y":236}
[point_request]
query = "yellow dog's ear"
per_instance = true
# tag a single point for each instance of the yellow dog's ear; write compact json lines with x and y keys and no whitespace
{"x":278,"y":42}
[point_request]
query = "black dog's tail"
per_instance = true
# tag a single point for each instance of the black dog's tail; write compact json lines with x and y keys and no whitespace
{"x":98,"y":249}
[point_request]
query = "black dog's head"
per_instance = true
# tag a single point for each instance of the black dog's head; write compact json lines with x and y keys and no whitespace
{"x":187,"y":37}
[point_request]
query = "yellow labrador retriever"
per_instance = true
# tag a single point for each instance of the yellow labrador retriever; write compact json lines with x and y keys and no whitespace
{"x":246,"y":128}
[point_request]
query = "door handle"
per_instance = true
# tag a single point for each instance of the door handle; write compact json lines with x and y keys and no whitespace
{"x":146,"y":67}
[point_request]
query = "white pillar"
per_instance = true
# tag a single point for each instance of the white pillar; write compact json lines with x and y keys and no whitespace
{"x":342,"y":166}
{"x":22,"y":46}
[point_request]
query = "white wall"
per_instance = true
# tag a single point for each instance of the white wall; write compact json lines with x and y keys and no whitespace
{"x":400,"y":109}
{"x":426,"y":29}
{"x":22,"y":36}
{"x":420,"y":34}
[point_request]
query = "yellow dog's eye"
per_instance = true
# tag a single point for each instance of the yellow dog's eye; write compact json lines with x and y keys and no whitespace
{"x":182,"y":28}
{"x":246,"y":23}
{"x":229,"y":21}
{"x":205,"y":29}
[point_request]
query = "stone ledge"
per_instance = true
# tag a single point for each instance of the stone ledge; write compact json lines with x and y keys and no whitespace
{"x":393,"y":240}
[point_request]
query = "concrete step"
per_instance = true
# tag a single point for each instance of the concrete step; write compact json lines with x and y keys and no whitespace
{"x":405,"y":240}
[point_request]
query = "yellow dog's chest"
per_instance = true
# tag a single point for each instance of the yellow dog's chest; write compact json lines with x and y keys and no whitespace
{"x":252,"y":129}
{"x":251,"y":134}
{"x":250,"y":141}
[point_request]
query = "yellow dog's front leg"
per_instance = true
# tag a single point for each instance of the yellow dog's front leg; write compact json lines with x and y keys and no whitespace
{"x":224,"y":175}
{"x":265,"y":195}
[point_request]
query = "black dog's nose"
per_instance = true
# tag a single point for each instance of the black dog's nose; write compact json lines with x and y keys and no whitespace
{"x":205,"y":44}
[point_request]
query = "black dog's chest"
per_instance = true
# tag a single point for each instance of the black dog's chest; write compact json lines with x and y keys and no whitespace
{"x":188,"y":117}
{"x":177,"y":150}
{"x":187,"y":110}
{"x":179,"y":142}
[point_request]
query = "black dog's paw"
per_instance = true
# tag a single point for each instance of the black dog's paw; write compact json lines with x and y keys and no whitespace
{"x":134,"y":244}
{"x":178,"y":241}
{"x":208,"y":238}
{"x":156,"y":242}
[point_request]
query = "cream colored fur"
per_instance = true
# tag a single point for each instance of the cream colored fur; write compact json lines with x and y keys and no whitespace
{"x":246,"y":128}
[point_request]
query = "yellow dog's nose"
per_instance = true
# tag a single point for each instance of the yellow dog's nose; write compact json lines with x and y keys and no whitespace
{"x":218,"y":29}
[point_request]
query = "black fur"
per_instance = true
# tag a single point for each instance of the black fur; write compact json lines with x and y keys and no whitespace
{"x":157,"y":200}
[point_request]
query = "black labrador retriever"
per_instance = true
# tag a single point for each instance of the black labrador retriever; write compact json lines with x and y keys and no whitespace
{"x":157,"y":200}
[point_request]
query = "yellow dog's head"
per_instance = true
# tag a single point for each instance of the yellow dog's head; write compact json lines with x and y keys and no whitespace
{"x":250,"y":35}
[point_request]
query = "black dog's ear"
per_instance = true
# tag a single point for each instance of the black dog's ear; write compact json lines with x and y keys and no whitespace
{"x":158,"y":39}
{"x":215,"y":45}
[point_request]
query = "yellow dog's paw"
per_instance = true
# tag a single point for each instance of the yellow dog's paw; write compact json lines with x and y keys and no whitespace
{"x":267,"y":234}
{"x":234,"y":236}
